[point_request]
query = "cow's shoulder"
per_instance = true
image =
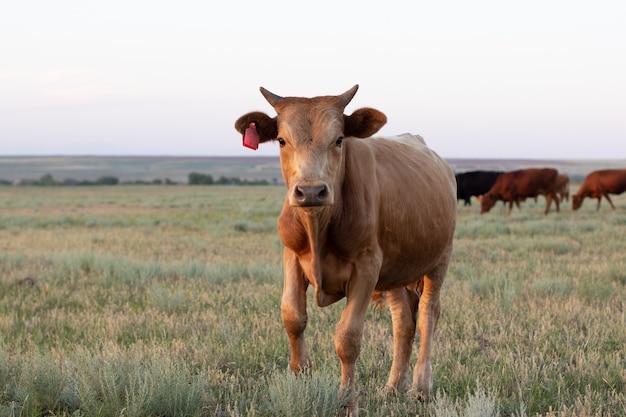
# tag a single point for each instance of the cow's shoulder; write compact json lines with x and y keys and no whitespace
{"x":399,"y":167}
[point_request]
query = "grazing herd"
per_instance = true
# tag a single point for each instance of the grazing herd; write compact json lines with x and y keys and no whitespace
{"x":513,"y":187}
{"x":369,"y":215}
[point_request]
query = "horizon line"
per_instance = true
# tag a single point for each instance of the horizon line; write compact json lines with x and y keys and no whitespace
{"x":482,"y":158}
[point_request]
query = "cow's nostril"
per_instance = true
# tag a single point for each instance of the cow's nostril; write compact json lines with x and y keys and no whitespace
{"x":323,"y":193}
{"x":300,"y":194}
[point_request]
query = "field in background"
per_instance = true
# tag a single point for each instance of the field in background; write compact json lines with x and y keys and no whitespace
{"x":165,"y":301}
{"x":251,"y":168}
{"x":139,"y":168}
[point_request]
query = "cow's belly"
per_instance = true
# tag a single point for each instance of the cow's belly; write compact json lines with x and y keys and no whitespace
{"x":407,"y":259}
{"x":395,"y":276}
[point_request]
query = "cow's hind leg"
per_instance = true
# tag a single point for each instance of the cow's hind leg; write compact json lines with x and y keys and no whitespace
{"x":556,"y":201}
{"x":548,"y":203}
{"x":607,"y":199}
{"x":428,"y":315}
{"x":403,"y":303}
{"x":549,"y":198}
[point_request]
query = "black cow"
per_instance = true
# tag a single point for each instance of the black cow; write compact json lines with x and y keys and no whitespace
{"x":474,"y":183}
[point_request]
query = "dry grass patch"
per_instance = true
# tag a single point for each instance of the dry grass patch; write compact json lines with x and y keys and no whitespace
{"x":164,"y":301}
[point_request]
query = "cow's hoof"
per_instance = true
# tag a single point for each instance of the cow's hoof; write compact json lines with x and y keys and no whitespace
{"x":389,"y":391}
{"x":418,"y":395}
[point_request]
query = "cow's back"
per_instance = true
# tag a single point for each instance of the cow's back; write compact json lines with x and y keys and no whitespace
{"x":612,"y":180}
{"x":416,"y":211}
{"x":533,"y":181}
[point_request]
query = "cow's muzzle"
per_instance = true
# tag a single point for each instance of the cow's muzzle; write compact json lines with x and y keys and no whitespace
{"x":310,"y":195}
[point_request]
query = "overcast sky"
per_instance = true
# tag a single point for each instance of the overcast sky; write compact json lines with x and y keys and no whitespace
{"x":489,"y":79}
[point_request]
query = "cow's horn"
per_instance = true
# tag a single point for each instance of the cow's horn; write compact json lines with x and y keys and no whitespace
{"x":346,"y":97}
{"x":271,"y":98}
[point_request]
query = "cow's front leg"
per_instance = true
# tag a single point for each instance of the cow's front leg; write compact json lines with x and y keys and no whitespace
{"x":348,"y":347}
{"x":348,"y":336}
{"x":293,"y":310}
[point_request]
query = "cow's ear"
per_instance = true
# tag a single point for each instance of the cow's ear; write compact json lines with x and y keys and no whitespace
{"x":266,"y":126}
{"x":363,"y":122}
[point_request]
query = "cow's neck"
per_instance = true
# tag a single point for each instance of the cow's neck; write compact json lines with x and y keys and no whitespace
{"x":315,"y":223}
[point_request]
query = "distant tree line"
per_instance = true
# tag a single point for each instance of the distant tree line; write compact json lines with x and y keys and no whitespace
{"x":194,"y":178}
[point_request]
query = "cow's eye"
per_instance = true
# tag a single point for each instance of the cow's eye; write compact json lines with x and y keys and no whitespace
{"x":339,"y":142}
{"x":281,"y":142}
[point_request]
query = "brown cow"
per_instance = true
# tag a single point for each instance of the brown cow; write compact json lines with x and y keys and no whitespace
{"x":562,"y":187}
{"x":599,"y":184}
{"x":361,"y":214}
{"x":516,"y":186}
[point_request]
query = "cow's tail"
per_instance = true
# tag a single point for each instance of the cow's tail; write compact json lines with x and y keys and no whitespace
{"x":378,"y":301}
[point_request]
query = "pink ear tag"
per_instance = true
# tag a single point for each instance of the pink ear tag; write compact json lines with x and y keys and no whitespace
{"x":251,"y":137}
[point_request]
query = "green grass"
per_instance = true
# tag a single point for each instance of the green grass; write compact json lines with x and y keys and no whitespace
{"x":165,"y":301}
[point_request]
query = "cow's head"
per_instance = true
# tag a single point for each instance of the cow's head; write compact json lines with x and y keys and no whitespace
{"x":310,"y":132}
{"x":487,"y":201}
{"x":577,"y":201}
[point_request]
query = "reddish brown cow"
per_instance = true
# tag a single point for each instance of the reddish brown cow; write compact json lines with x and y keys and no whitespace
{"x":516,"y":186}
{"x":600,"y":184}
{"x":361,"y":214}
{"x":562,"y":187}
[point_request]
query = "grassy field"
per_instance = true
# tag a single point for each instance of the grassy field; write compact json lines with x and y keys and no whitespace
{"x":164,"y":301}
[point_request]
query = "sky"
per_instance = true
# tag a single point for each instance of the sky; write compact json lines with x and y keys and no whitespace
{"x":541,"y":79}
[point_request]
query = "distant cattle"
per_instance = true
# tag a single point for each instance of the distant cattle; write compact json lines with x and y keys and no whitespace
{"x":474,"y":183}
{"x":516,"y":186}
{"x":562,"y":187}
{"x":361,"y":214}
{"x":600,"y":184}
